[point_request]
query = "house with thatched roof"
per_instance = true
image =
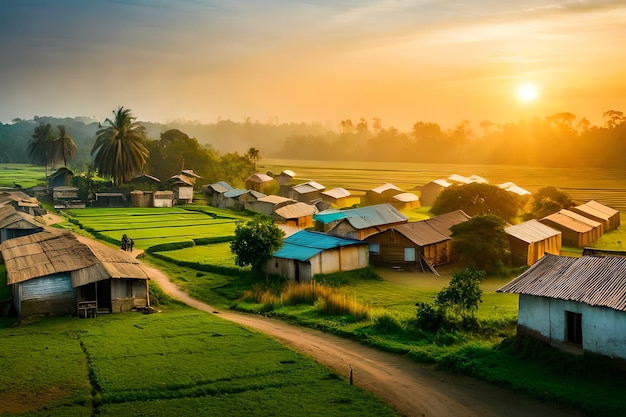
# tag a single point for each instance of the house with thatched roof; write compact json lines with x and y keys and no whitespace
{"x":574,"y":303}
{"x":421,"y":245}
{"x":15,"y":223}
{"x":22,"y":202}
{"x":55,"y":272}
{"x":593,"y":210}
{"x":530,"y":240}
{"x":62,"y":177}
{"x":183,"y":184}
{"x":305,"y":254}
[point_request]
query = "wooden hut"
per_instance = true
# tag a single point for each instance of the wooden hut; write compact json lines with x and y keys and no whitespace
{"x":62,"y":177}
{"x":258,"y":182}
{"x":55,"y":272}
{"x":431,"y":190}
{"x":595,"y":211}
{"x":530,"y":240}
{"x":214,"y":193}
{"x":380,"y":195}
{"x":574,"y":233}
{"x":139,"y":198}
{"x":268,"y":204}
{"x":306,"y":192}
{"x":360,"y":222}
{"x":15,"y":223}
{"x":297,"y":214}
{"x":163,"y":198}
{"x":340,"y":198}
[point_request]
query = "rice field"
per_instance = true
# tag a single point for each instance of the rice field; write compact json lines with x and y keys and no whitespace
{"x":154,"y":226}
{"x":25,"y":176}
{"x":217,"y":254}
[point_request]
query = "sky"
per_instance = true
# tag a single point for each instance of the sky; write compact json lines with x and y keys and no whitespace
{"x":313,"y":61}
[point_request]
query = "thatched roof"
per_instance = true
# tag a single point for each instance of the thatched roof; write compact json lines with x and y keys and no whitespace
{"x":54,"y":251}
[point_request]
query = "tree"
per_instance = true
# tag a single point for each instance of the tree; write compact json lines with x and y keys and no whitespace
{"x":119,"y":151}
{"x":482,"y":242}
{"x":477,"y":198}
{"x":255,"y":242}
{"x":253,"y":155}
{"x":64,"y":146}
{"x":463,"y":294}
{"x":549,"y":200}
{"x":41,"y":147}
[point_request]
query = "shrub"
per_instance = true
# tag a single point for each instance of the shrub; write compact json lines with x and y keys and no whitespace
{"x":157,"y":296}
{"x":386,"y":323}
{"x":338,"y":303}
{"x":429,"y":316}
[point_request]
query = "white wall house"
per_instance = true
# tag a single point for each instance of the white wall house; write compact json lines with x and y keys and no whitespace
{"x":574,"y":303}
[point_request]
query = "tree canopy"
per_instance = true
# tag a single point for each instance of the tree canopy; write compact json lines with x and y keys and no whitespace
{"x":548,"y":200}
{"x":255,"y":242}
{"x":482,"y":242}
{"x":41,"y":147}
{"x":119,"y":150}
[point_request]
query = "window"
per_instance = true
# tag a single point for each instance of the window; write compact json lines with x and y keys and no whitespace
{"x":375,"y":248}
{"x":574,"y":328}
{"x":409,"y":254}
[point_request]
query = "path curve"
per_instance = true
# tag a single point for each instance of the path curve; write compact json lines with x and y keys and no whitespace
{"x":410,"y":388}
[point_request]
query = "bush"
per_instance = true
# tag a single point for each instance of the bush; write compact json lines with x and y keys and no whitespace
{"x":386,"y":323}
{"x":429,"y":316}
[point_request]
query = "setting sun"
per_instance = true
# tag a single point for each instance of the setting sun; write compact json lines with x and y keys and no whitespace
{"x":527,"y":93}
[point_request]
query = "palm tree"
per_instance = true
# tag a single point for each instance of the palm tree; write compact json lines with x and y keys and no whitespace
{"x":41,"y":147}
{"x":253,"y":155}
{"x":119,"y":149}
{"x":65,"y":147}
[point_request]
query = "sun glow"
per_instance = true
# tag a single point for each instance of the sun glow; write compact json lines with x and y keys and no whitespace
{"x":527,"y":93}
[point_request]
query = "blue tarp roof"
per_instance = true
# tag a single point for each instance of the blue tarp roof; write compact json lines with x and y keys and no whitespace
{"x":304,"y":245}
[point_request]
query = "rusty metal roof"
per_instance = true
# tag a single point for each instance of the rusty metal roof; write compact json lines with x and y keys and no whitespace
{"x":594,"y":280}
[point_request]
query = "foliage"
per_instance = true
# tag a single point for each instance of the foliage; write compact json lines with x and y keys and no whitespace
{"x":41,"y":147}
{"x":234,"y":169}
{"x":255,"y":242}
{"x":462,"y":296}
{"x":482,"y":242}
{"x":119,"y":150}
{"x":64,"y":146}
{"x":429,"y":317}
{"x":548,"y":200}
{"x":478,"y":198}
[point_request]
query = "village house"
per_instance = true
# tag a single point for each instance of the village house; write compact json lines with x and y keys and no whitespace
{"x":15,"y":223}
{"x":340,"y":198}
{"x":593,"y":210}
{"x":306,"y":192}
{"x":297,"y":214}
{"x":422,"y":245}
{"x":214,"y":193}
{"x":21,"y":201}
{"x":55,"y":272}
{"x":360,"y":222}
{"x":259,"y":182}
{"x":530,"y":240}
{"x":380,"y":195}
{"x":575,"y":304}
{"x":305,"y":254}
{"x":145,"y":182}
{"x":62,"y":177}
{"x":183,"y":184}
{"x":574,"y":232}
{"x":268,"y":205}
{"x":431,"y":190}
{"x":405,"y":201}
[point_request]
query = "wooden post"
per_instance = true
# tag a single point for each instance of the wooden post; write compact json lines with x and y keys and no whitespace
{"x":351,"y":379}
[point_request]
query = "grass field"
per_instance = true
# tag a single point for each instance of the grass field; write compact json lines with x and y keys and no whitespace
{"x":179,"y":362}
{"x":25,"y":175}
{"x":217,"y":254}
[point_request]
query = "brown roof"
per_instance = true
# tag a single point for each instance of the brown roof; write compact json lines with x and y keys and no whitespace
{"x":593,"y":280}
{"x":531,"y":231}
{"x":296,"y":210}
{"x":433,"y":230}
{"x":568,"y":222}
{"x":54,"y":251}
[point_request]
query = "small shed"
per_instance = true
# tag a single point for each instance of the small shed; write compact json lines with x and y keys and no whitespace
{"x":145,"y":182}
{"x":360,"y":222}
{"x":110,"y":200}
{"x":574,"y":303}
{"x":62,"y":177}
{"x":53,"y":272}
{"x":214,"y":193}
{"x":163,"y":199}
{"x":595,"y":211}
{"x":285,"y":177}
{"x":574,"y":233}
{"x":305,"y":254}
{"x":424,"y":244}
{"x":297,"y":214}
{"x":431,"y":190}
{"x":530,"y":240}
{"x":268,"y":205}
{"x":258,"y":182}
{"x":15,"y":223}
{"x":405,"y":201}
{"x":380,"y":195}
{"x":140,"y":198}
{"x":307,"y":192}
{"x":182,"y":186}
{"x":340,"y":198}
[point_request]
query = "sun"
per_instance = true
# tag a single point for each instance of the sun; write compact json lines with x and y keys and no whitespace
{"x":527,"y":93}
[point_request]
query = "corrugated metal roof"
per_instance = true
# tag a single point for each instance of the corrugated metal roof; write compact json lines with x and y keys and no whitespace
{"x":376,"y":215}
{"x":568,"y":222}
{"x":593,"y":280}
{"x":274,"y":199}
{"x":304,"y":245}
{"x":221,"y":187}
{"x":384,"y":187}
{"x":405,"y":197}
{"x":234,"y":193}
{"x":337,"y":193}
{"x":443,"y":222}
{"x":308,"y":187}
{"x":329,"y":215}
{"x":531,"y":231}
{"x":433,"y":230}
{"x":296,"y":210}
{"x":584,"y":208}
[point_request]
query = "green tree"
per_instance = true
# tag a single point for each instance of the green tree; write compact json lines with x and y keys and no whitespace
{"x":119,"y":150}
{"x":478,"y":198}
{"x":255,"y":242}
{"x":64,"y":146}
{"x":235,"y":168}
{"x":548,"y":200}
{"x":482,"y":242}
{"x":253,"y":155}
{"x":462,"y":296}
{"x":41,"y":147}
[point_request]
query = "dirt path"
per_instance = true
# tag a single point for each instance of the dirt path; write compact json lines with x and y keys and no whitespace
{"x":412,"y":389}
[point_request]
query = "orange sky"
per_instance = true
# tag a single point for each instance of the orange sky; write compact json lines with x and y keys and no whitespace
{"x":401,"y":61}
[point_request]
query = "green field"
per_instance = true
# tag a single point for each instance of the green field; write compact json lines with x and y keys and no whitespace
{"x":179,"y":362}
{"x":24,"y":175}
{"x":217,"y":254}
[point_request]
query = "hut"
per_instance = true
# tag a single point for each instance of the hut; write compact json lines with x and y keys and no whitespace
{"x":340,"y":198}
{"x":110,"y":200}
{"x":145,"y":182}
{"x":380,"y":195}
{"x":285,"y":177}
{"x":15,"y":223}
{"x":405,"y":201}
{"x":360,"y":222}
{"x":22,"y":202}
{"x":307,"y":192}
{"x":140,"y":198}
{"x":574,"y":233}
{"x":163,"y":198}
{"x":258,"y":182}
{"x":595,"y":211}
{"x":66,"y":197}
{"x":574,"y":303}
{"x":214,"y":193}
{"x":530,"y":240}
{"x":305,"y":254}
{"x":55,"y":272}
{"x":431,"y":190}
{"x":423,"y":245}
{"x":182,"y":186}
{"x":297,"y":214}
{"x":62,"y":177}
{"x":268,"y":204}
{"x":597,"y":227}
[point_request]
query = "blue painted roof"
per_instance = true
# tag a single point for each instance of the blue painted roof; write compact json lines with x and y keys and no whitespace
{"x":303,"y":245}
{"x":363,"y":217}
{"x":236,"y":192}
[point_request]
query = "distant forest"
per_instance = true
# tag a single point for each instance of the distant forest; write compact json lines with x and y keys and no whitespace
{"x":559,"y":140}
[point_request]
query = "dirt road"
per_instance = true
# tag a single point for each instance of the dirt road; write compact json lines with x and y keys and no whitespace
{"x":412,"y":389}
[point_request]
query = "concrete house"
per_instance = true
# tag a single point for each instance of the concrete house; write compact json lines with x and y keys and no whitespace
{"x":55,"y":272}
{"x":305,"y":254}
{"x":258,"y":182}
{"x":574,"y":303}
{"x":297,"y":214}
{"x":360,"y":222}
{"x":306,"y":192}
{"x":593,"y":210}
{"x":530,"y":240}
{"x":431,"y":190}
{"x":422,"y":245}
